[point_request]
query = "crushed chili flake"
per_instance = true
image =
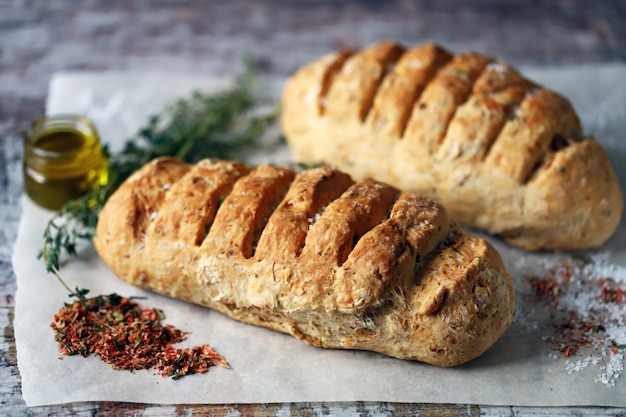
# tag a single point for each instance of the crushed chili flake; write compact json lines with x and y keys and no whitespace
{"x":611,"y":292}
{"x":128,"y":337}
{"x":545,"y":289}
{"x":585,"y":302}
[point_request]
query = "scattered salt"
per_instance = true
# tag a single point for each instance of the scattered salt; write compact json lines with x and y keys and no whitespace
{"x":313,"y":219}
{"x":612,"y":370}
{"x":585,"y":302}
{"x":580,"y":364}
{"x":416,"y":63}
{"x":498,"y":67}
{"x":531,"y":93}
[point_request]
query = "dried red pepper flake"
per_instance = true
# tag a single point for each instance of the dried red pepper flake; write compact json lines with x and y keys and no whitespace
{"x":128,"y":336}
{"x":611,"y":292}
{"x":545,"y":289}
{"x":572,"y":333}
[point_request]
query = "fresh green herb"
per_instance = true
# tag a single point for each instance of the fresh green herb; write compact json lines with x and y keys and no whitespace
{"x":120,"y":332}
{"x":204,"y":125}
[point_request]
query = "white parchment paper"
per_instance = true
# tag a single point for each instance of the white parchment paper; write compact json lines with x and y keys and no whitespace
{"x":271,"y":367}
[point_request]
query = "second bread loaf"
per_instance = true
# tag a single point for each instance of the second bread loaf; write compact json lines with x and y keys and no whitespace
{"x":501,"y":152}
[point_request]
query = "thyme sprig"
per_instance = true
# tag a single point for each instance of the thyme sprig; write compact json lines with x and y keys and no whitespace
{"x":121,"y":332}
{"x":220,"y":125}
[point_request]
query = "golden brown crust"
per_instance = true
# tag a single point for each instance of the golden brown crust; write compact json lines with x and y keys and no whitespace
{"x":398,"y":91}
{"x":193,"y":201}
{"x":542,"y":116}
{"x":470,"y":132}
{"x":435,"y":107}
{"x":352,"y":91}
{"x":335,"y":263}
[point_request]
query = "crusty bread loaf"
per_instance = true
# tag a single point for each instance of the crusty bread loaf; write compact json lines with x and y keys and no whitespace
{"x":500,"y":152}
{"x":335,"y":263}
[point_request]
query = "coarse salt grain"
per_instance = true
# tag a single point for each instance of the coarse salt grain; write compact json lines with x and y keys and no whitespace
{"x":313,"y":219}
{"x":612,"y":370}
{"x":498,"y":67}
{"x":586,"y":311}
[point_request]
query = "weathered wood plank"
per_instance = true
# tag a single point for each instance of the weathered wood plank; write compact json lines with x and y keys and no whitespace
{"x":40,"y":38}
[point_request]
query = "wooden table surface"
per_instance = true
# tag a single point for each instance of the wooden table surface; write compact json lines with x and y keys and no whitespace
{"x":39,"y":38}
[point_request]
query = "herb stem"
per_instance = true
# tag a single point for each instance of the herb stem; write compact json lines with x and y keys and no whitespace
{"x":201,"y":126}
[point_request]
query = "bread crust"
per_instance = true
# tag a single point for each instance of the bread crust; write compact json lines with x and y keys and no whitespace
{"x":500,"y":152}
{"x":333,"y":262}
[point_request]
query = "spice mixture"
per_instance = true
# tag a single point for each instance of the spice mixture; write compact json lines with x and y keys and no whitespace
{"x":585,"y":302}
{"x":128,"y":337}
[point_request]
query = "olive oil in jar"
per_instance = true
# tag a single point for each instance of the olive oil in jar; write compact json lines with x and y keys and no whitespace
{"x":63,"y":159}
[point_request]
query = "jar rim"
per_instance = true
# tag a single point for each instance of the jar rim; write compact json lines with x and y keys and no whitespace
{"x":64,"y":122}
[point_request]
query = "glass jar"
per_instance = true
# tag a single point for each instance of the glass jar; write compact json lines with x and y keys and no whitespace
{"x":63,"y":159}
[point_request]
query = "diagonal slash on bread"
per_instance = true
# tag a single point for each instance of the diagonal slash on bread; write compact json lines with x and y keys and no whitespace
{"x":500,"y":152}
{"x":331,"y":261}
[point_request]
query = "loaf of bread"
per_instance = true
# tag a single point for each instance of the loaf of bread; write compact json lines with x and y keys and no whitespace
{"x":333,"y":262}
{"x":500,"y":152}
